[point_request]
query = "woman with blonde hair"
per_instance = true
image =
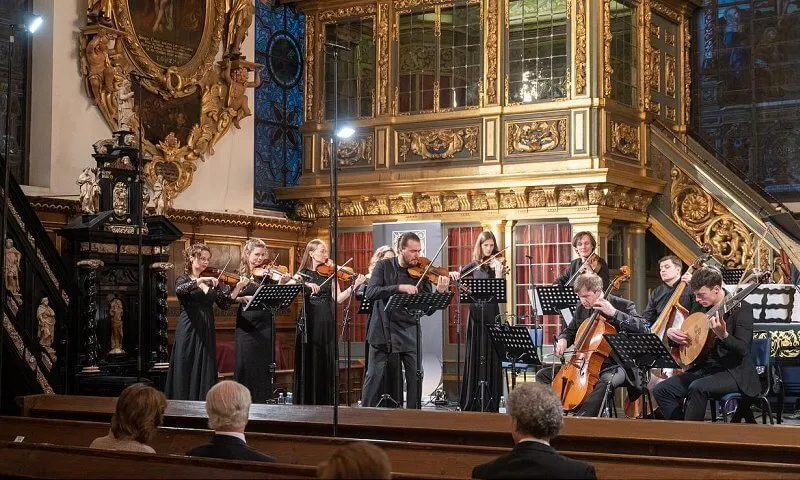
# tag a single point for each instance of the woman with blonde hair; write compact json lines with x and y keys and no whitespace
{"x":193,"y":367}
{"x":139,"y":413}
{"x":255,"y":339}
{"x":356,"y":460}
{"x":315,"y":353}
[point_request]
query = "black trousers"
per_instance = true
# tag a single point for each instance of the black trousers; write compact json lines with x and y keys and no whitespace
{"x":373,"y":380}
{"x":697,"y":388}
{"x":610,"y":378}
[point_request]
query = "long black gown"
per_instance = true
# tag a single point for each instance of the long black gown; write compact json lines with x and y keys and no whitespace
{"x":193,"y":369}
{"x":254,"y":348}
{"x":470,"y":391}
{"x":315,"y":361}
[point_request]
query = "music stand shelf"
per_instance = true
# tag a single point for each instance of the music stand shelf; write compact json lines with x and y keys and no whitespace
{"x":552,"y":299}
{"x":273,"y":297}
{"x":513,"y":344}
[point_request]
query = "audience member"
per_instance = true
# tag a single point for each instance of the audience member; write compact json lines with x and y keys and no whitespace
{"x":536,"y":417}
{"x":356,"y":460}
{"x":228,"y":408}
{"x":140,"y":410}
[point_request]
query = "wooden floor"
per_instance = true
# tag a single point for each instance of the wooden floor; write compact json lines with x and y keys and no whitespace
{"x":760,"y":443}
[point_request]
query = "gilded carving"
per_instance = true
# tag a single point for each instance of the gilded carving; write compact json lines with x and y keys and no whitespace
{"x":669,"y":75}
{"x":451,"y":203}
{"x":536,"y":136}
{"x":311,"y":63}
{"x":424,"y":205}
{"x":708,"y":221}
{"x":655,"y":69}
{"x":397,"y":205}
{"x":438,"y":143}
{"x":669,"y":38}
{"x":351,"y":152}
{"x":666,"y":11}
{"x":655,"y":30}
{"x":580,"y":47}
{"x":537,"y":198}
{"x":205,"y":99}
{"x":567,"y":197}
{"x":479,"y":202}
{"x":624,"y":139}
{"x":508,"y":200}
{"x":492,"y":41}
{"x":646,"y":97}
{"x":670,"y":113}
{"x":354,"y":11}
{"x":383,"y":58}
{"x":687,"y":72}
{"x":607,"y":69}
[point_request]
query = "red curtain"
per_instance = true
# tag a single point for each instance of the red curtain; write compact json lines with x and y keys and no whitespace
{"x":357,"y":245}
{"x":460,"y":242}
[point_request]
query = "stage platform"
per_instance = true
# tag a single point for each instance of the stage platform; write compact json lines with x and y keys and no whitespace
{"x":744,"y":442}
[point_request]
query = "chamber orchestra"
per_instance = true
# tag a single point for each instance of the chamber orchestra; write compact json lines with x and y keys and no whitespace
{"x":705,"y":330}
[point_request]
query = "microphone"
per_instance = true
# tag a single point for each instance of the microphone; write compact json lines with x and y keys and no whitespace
{"x":336,"y":45}
{"x":528,"y":257}
{"x":138,"y":75}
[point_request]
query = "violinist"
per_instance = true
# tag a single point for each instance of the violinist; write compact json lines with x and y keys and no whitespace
{"x":394,"y":332}
{"x":315,"y":359}
{"x":588,"y":261}
{"x":193,"y":366}
{"x":255,"y":347}
{"x":669,"y":268}
{"x":620,"y":313}
{"x":485,"y":248}
{"x":727,"y":369}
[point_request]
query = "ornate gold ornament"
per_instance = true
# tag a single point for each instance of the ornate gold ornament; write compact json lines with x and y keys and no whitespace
{"x":624,"y":139}
{"x":646,"y":97}
{"x":607,"y":69}
{"x":188,"y":101}
{"x":310,"y":70}
{"x":437,"y":144}
{"x":580,"y":47}
{"x":354,"y":11}
{"x":667,"y":12}
{"x":352,"y":152}
{"x":669,"y":74}
{"x":536,"y":136}
{"x":383,"y":59}
{"x":492,"y":41}
{"x":708,"y":221}
{"x":654,"y":73}
{"x":687,"y":72}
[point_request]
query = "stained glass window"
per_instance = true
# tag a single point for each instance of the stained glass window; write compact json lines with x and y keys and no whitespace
{"x":624,"y":44}
{"x":19,"y":82}
{"x":278,"y":103}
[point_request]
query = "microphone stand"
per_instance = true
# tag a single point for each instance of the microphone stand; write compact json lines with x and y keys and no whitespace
{"x":139,"y":260}
{"x":346,"y":328}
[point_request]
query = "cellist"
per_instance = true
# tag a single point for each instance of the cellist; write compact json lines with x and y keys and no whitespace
{"x":669,"y":268}
{"x":621,"y":313}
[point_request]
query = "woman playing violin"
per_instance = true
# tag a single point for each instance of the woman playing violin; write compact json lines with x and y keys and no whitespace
{"x":255,"y":347}
{"x":312,"y":381}
{"x":193,"y":368}
{"x":485,"y":248}
{"x":588,"y":261}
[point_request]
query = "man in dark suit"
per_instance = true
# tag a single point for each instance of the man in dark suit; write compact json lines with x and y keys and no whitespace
{"x":536,"y":418}
{"x":620,"y":313}
{"x":727,"y":369}
{"x":394,"y":332}
{"x":669,"y":268}
{"x":228,"y":409}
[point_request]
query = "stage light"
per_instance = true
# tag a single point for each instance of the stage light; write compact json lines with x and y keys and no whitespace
{"x":345,"y":132}
{"x":33,"y":22}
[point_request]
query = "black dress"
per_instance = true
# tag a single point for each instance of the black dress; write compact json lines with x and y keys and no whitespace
{"x":193,"y":369}
{"x":315,"y":361}
{"x":470,"y":391}
{"x":254,"y":348}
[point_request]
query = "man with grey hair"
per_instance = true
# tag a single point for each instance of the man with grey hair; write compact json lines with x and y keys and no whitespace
{"x":228,"y":408}
{"x":536,"y":418}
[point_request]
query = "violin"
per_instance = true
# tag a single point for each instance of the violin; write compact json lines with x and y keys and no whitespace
{"x":433,"y":273}
{"x":344,"y":274}
{"x":270,"y":270}
{"x":224,"y":277}
{"x":499,"y":258}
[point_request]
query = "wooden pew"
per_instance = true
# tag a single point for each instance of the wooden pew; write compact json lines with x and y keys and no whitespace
{"x":409,"y":460}
{"x":761,"y":443}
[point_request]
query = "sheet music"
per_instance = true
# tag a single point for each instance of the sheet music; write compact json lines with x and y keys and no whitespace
{"x":566,"y":313}
{"x":773,"y":303}
{"x":535,"y":302}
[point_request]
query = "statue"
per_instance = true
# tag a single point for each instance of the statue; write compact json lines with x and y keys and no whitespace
{"x":240,"y":17}
{"x":124,"y":95}
{"x":120,"y":199}
{"x":89,"y":191}
{"x":115,"y":314}
{"x":100,"y":11}
{"x":238,"y":83}
{"x":160,"y":196}
{"x":13,"y":259}
{"x":47,"y":322}
{"x":100,"y":73}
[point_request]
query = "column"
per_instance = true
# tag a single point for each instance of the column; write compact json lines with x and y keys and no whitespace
{"x":159,"y":281}
{"x":636,"y":256}
{"x":90,"y":348}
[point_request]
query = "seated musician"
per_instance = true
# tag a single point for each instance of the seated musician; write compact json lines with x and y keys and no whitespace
{"x":727,"y":369}
{"x":620,"y":313}
{"x":669,"y":268}
{"x":584,"y":244}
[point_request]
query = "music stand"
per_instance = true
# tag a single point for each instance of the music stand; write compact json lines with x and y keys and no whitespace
{"x":274,"y":298}
{"x":482,"y":291}
{"x":365,"y":306}
{"x":643,"y":351}
{"x":554,"y":298}
{"x":513,"y":342}
{"x":731,"y":276}
{"x":418,"y":306}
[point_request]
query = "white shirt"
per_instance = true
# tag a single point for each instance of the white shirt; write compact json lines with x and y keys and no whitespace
{"x":238,"y":435}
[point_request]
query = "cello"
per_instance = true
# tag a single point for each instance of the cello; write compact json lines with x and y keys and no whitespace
{"x":671,"y":316}
{"x":577,"y":378}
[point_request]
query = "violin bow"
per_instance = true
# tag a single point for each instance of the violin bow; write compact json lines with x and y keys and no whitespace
{"x":340,"y":267}
{"x":572,"y":278}
{"x":222,"y":272}
{"x":484,"y":262}
{"x":425,"y":272}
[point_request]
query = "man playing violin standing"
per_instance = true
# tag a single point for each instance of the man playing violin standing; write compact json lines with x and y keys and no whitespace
{"x":585,"y":244}
{"x":727,"y":369}
{"x":394,"y":332}
{"x":620,"y":313}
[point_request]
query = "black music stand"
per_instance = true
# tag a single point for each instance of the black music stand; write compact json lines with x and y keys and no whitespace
{"x":482,"y":291}
{"x":274,"y":298}
{"x":643,"y":351}
{"x":513,"y":343}
{"x":418,"y":306}
{"x":731,"y":276}
{"x":365,"y":306}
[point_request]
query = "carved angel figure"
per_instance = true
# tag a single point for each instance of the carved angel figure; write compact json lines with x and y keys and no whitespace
{"x":160,"y":196}
{"x":115,"y":315}
{"x":100,"y":73}
{"x":238,"y":83}
{"x":240,"y":17}
{"x":47,"y":322}
{"x":13,"y":259}
{"x":89,"y":191}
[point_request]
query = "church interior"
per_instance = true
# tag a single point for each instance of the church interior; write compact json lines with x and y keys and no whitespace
{"x":203,"y":191}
